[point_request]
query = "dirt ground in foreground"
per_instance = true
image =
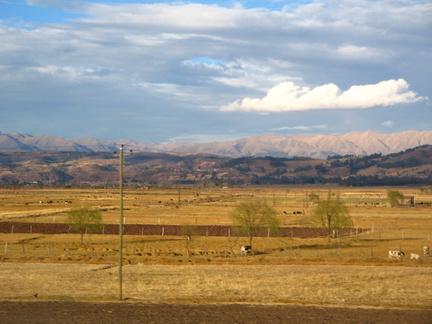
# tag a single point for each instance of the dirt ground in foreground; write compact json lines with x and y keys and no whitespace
{"x":125,"y":312}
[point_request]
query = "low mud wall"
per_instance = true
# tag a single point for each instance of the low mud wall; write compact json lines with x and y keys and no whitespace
{"x":176,"y":230}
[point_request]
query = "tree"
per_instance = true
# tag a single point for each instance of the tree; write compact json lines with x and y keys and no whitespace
{"x":313,"y":197}
{"x":253,"y":217}
{"x":189,"y":231}
{"x":85,"y":220}
{"x":395,"y":197}
{"x":332,"y":214}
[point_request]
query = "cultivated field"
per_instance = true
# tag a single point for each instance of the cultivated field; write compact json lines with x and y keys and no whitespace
{"x":352,"y":270}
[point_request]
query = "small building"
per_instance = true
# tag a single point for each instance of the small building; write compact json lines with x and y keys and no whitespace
{"x":409,"y":201}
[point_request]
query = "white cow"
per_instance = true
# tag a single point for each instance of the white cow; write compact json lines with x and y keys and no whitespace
{"x":426,"y":250}
{"x":415,"y":256}
{"x":245,"y":249}
{"x":395,"y":254}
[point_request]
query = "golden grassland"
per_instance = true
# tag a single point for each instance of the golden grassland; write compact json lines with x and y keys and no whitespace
{"x":351,"y":270}
{"x":354,"y":285}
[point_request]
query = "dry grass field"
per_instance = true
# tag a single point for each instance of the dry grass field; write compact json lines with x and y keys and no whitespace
{"x":351,"y":270}
{"x":341,"y":285}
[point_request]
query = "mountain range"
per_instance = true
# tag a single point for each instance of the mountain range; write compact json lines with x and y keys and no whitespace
{"x":287,"y":146}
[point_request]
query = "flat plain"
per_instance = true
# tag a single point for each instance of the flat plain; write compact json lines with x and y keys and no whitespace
{"x":353,"y":270}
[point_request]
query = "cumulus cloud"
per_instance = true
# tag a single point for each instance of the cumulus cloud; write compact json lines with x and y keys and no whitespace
{"x":287,"y":96}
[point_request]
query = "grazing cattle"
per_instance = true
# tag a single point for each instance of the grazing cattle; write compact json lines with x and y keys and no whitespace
{"x":415,"y":256}
{"x":245,"y":249}
{"x":426,"y":250}
{"x":395,"y":254}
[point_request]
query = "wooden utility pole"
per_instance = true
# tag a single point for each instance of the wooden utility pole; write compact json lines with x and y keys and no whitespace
{"x":121,"y":227}
{"x":120,"y":273}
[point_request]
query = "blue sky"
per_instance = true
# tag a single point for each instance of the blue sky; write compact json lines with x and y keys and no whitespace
{"x":205,"y":71}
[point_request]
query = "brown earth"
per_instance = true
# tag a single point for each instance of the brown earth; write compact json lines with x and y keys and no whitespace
{"x":176,"y":230}
{"x":124,"y":312}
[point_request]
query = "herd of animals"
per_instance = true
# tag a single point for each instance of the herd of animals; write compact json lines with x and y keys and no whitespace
{"x":413,"y":256}
{"x":247,"y":249}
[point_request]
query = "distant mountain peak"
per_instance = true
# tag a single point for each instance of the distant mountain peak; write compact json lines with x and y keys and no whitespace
{"x":301,"y":145}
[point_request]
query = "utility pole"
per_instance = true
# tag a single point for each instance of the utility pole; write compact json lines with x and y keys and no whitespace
{"x":121,"y":155}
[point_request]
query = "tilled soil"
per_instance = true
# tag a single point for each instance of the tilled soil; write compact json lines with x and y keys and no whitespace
{"x":124,"y":312}
{"x":176,"y":230}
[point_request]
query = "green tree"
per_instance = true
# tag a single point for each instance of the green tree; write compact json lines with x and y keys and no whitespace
{"x":395,"y":197}
{"x":253,"y":217}
{"x":85,"y":220}
{"x":332,"y":214}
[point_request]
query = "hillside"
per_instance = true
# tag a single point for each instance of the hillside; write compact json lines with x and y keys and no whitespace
{"x":413,"y":166}
{"x":287,"y":146}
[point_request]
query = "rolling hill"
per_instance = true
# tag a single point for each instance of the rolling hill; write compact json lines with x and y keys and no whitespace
{"x":40,"y":168}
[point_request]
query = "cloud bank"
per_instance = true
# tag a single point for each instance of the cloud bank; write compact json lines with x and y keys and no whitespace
{"x":287,"y":96}
{"x":162,"y":70}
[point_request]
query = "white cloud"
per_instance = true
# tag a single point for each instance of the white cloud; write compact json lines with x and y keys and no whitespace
{"x":302,"y":128}
{"x":205,"y":138}
{"x":388,"y":123}
{"x":349,"y":51}
{"x":254,"y":74}
{"x":175,"y":59}
{"x":288,"y":96}
{"x":191,"y":15}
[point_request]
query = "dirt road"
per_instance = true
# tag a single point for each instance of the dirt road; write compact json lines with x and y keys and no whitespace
{"x":124,"y":312}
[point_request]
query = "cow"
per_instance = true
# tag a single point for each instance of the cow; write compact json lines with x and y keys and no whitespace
{"x":395,"y":254}
{"x":245,"y":249}
{"x":415,"y":256}
{"x":426,"y":251}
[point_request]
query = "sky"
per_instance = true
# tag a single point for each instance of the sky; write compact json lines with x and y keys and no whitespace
{"x":207,"y":71}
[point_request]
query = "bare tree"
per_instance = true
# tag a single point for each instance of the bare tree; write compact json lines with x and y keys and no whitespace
{"x":253,"y":217}
{"x":85,"y":220}
{"x":189,"y":231}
